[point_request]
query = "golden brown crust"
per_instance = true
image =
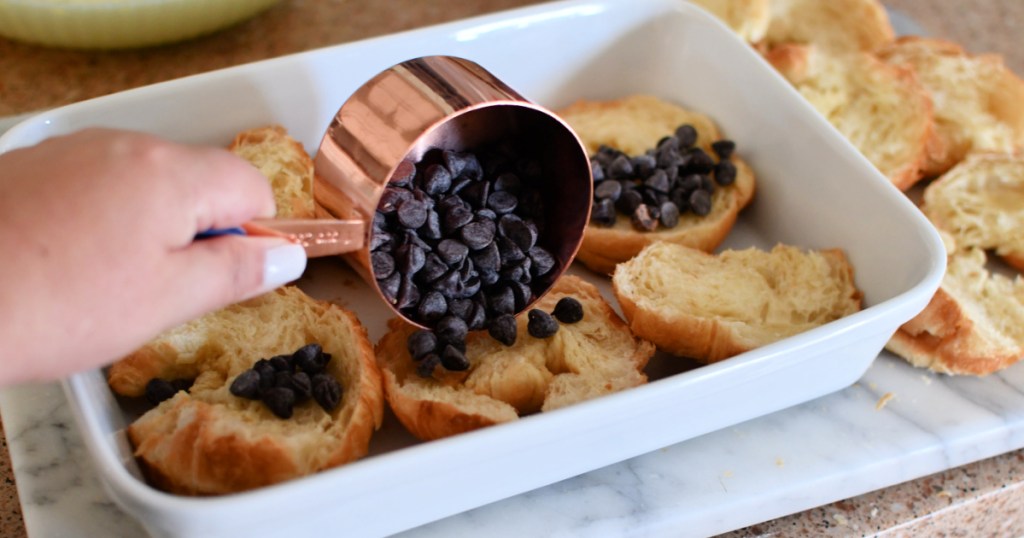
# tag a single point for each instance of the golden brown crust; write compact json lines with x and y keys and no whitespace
{"x":633,"y":125}
{"x":595,"y":356}
{"x":207,"y":441}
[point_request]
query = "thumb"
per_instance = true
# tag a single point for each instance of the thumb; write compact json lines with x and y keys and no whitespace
{"x":223,"y":270}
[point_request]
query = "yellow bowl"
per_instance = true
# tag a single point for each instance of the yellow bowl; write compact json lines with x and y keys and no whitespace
{"x":111,"y":24}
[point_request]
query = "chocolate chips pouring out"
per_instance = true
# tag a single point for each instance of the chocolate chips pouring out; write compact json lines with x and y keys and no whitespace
{"x":456,"y":247}
{"x":654,"y":189}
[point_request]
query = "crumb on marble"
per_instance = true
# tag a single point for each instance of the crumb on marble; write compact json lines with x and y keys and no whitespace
{"x":779,"y":462}
{"x":884,"y":400}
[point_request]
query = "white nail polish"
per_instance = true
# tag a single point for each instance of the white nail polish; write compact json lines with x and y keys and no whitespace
{"x":282,"y":265}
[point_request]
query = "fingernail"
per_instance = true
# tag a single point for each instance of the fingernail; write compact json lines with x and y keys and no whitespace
{"x":283,"y":264}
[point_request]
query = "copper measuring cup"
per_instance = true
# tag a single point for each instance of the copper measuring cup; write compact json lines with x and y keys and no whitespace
{"x":415,"y":106}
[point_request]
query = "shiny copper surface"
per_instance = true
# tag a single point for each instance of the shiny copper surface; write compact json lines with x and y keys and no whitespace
{"x":447,"y":103}
{"x":320,"y":237}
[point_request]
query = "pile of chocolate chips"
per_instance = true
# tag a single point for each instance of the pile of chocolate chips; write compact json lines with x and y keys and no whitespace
{"x":455,"y":240}
{"x":283,"y":381}
{"x":446,"y":344}
{"x":655,"y":188}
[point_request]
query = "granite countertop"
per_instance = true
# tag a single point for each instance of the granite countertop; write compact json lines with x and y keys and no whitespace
{"x":980,"y":498}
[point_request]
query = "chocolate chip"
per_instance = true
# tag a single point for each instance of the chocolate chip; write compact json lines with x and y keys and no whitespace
{"x":658,"y":181}
{"x":404,"y":174}
{"x":477,"y":193}
{"x":432,"y":228}
{"x":643,"y":220}
{"x":390,"y":286}
{"x":487,"y":259}
{"x":502,"y":301}
{"x":725,"y":173}
{"x":568,"y":310}
{"x":408,"y":295}
{"x":382,"y":263}
{"x":433,"y":269}
{"x":542,"y":261}
{"x":432,"y":306}
{"x":280,"y":401}
{"x":390,"y":198}
{"x":541,"y":324}
{"x":326,"y":391}
{"x":453,"y":359}
{"x":280,"y":363}
{"x":621,"y":168}
{"x":311,"y":359}
{"x":451,"y":329}
{"x":502,"y":202}
{"x":687,"y":135}
{"x":436,"y":179}
{"x":508,"y":182}
{"x":420,"y":343}
{"x":426,"y":366}
{"x":522,"y":294}
{"x":644,"y":165}
{"x":629,"y":201}
{"x":669,"y":215}
{"x":603,"y":211}
{"x":597,"y":170}
{"x":477,"y":317}
{"x":158,"y":390}
{"x":608,"y":190}
{"x":297,"y":382}
{"x":411,"y":213}
{"x":691,"y":182}
{"x":503,"y":329}
{"x":478,"y":234}
{"x":246,"y":385}
{"x":723,"y":148}
{"x":700,"y":162}
{"x":700,"y":202}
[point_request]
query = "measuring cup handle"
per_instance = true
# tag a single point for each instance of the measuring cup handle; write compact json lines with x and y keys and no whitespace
{"x":320,"y":237}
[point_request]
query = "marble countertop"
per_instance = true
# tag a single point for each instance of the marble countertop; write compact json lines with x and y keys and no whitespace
{"x":900,"y":468}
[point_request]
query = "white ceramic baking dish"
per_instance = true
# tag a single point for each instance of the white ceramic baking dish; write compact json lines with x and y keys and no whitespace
{"x":814,"y":190}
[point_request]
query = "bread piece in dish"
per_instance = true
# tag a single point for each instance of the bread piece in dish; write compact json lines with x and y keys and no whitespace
{"x":595,"y":356}
{"x":634,"y":125}
{"x":710,"y":307}
{"x":206,"y":440}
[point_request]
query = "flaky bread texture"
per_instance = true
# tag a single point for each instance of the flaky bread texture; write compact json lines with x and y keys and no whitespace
{"x":711,"y":307}
{"x":595,"y":356}
{"x":633,"y":125}
{"x":837,"y":25}
{"x":881,"y":108}
{"x":979,"y":102}
{"x":973,"y":325}
{"x":748,"y":18}
{"x":980,"y":202}
{"x":285,"y":163}
{"x":207,"y":441}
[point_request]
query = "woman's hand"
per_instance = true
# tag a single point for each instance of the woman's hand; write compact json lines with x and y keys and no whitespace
{"x":97,"y":230}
